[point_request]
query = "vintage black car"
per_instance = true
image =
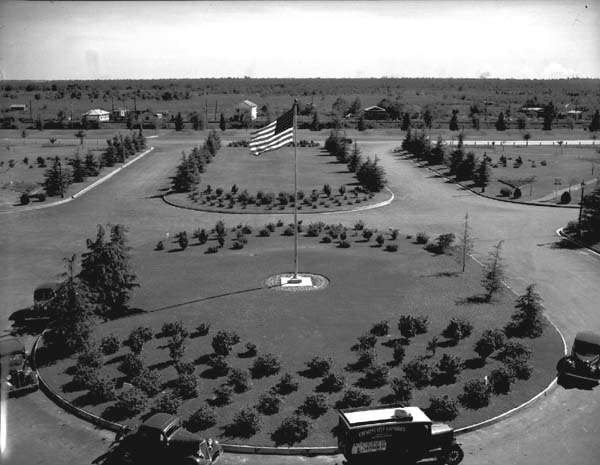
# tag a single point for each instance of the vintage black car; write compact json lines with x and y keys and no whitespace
{"x":394,"y":434}
{"x":162,"y":439}
{"x":584,"y":360}
{"x":17,"y":375}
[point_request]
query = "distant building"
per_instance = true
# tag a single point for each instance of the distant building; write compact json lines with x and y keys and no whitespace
{"x":97,"y":116}
{"x":575,"y":114}
{"x":247,"y":107}
{"x":533,"y":112}
{"x":375,"y":112}
{"x":17,"y":107}
{"x":119,"y":114}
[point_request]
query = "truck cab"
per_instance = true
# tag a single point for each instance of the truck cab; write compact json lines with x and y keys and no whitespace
{"x":584,"y":360}
{"x":17,"y":375}
{"x":394,"y":433}
{"x":42,"y":295}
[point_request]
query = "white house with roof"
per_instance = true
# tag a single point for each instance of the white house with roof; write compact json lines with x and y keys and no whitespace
{"x":97,"y":115}
{"x":247,"y":107}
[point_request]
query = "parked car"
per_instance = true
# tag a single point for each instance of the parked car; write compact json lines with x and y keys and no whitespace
{"x":584,"y":360}
{"x":395,"y":434}
{"x":162,"y":439}
{"x":19,"y":378}
{"x":42,"y":295}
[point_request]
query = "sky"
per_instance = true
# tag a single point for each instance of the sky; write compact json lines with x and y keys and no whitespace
{"x":144,"y":40}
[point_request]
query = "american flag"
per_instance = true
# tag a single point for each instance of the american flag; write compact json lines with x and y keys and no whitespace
{"x":274,"y":135}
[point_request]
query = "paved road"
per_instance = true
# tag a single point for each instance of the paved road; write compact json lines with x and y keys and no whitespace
{"x":564,"y":428}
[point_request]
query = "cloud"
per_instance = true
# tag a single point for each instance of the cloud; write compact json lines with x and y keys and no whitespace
{"x":557,"y":71}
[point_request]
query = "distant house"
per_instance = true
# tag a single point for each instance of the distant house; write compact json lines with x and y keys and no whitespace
{"x":575,"y":114}
{"x":533,"y":112}
{"x":17,"y":107}
{"x":375,"y":112}
{"x":97,"y":116}
{"x":119,"y":114}
{"x":247,"y":107}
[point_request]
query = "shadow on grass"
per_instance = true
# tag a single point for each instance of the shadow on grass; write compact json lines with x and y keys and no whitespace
{"x":160,"y":365}
{"x":117,"y":359}
{"x":568,"y":382}
{"x":442,"y":274}
{"x":565,"y":244}
{"x":474,"y":299}
{"x":474,"y":363}
{"x":212,"y":373}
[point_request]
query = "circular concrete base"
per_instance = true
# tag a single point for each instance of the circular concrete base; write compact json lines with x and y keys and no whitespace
{"x":307,"y":282}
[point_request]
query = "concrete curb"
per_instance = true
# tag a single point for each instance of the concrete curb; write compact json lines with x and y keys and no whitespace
{"x":499,"y":199}
{"x":300,"y":212}
{"x":78,"y":194}
{"x":561,"y":233}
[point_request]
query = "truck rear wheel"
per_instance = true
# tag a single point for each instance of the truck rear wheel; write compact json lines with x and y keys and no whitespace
{"x":452,"y":456}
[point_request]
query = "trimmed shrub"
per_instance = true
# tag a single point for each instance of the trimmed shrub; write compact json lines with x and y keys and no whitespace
{"x":410,"y":326}
{"x":505,"y":192}
{"x":223,"y":342}
{"x":202,"y":329}
{"x":265,"y":365}
{"x":402,"y":389}
{"x":131,"y":402}
{"x":365,"y":342}
{"x":441,"y":243}
{"x":318,"y":366}
{"x":268,"y":404}
{"x":172,"y":328}
{"x":137,"y":338}
{"x":490,"y":341}
{"x":286,"y":385}
{"x":344,"y":245}
{"x":24,"y":198}
{"x":186,"y":386}
{"x":448,"y":368}
{"x":314,"y":406}
{"x":166,"y":402}
{"x":520,"y":369}
{"x":517,"y":193}
{"x":442,"y":409}
{"x":222,"y":395}
{"x":326,"y":240}
{"x":565,"y":197}
{"x":332,"y":383}
{"x":289,"y":231}
{"x":218,"y":363}
{"x":176,"y":345}
{"x":398,"y":353}
{"x":185,"y":368}
{"x":391,"y":248}
{"x":418,"y":372}
{"x":367,"y":234}
{"x":90,"y":357}
{"x":131,"y":365}
{"x":292,"y":430}
{"x":457,"y":329}
{"x":250,"y":349}
{"x":513,"y":350}
{"x":379,"y":239}
{"x":160,"y":246}
{"x":239,"y":380}
{"x":110,"y":344}
{"x":354,"y":398}
{"x":212,"y":249}
{"x":264,"y":232}
{"x":375,"y":376}
{"x":476,"y":394}
{"x":101,"y":389}
{"x":422,"y":238}
{"x":500,"y":380}
{"x":148,"y":381}
{"x":203,"y":418}
{"x":85,"y":376}
{"x":246,"y":423}
{"x":381,"y":329}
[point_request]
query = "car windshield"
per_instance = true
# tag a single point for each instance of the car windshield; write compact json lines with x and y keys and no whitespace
{"x":586,"y":348}
{"x":43,"y":294}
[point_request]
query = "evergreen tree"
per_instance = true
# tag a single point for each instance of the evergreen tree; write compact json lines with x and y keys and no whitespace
{"x":527,"y":319}
{"x":57,"y":178}
{"x":213,"y":142}
{"x":549,"y":114}
{"x":187,"y":175}
{"x":315,"y":125}
{"x":437,"y":153}
{"x":79,"y":172}
{"x":590,"y":216}
{"x":371,"y":175}
{"x":179,"y":122}
{"x":90,"y":165}
{"x":361,"y":125}
{"x":466,"y":168}
{"x":109,"y":156}
{"x":500,"y":123}
{"x":71,"y":321}
{"x":222,"y":122}
{"x":405,"y":122}
{"x":595,"y":124}
{"x":482,"y":175}
{"x":195,"y":120}
{"x":456,"y":159}
{"x":355,"y":106}
{"x":427,"y":118}
{"x":454,"y":121}
{"x":354,"y":159}
{"x":493,"y":273}
{"x":107,"y":272}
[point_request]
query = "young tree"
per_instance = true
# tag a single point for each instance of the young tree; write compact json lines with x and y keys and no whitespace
{"x":500,"y":122}
{"x":57,"y":178}
{"x":71,"y":323}
{"x":466,"y":243}
{"x":549,"y":114}
{"x":354,"y":159}
{"x":456,"y":159}
{"x":315,"y":125}
{"x":482,"y":175}
{"x":427,"y":118}
{"x":355,"y":106}
{"x":466,"y":168}
{"x":179,"y":122}
{"x":371,"y":175}
{"x":526,"y":138}
{"x":106,"y":270}
{"x":79,"y":172}
{"x":187,"y":176}
{"x":90,"y":165}
{"x":589,"y":225}
{"x":361,"y":125}
{"x":595,"y":123}
{"x":527,"y":319}
{"x":222,"y":122}
{"x":493,"y":272}
{"x":454,"y":121}
{"x":80,"y":135}
{"x":437,"y":152}
{"x":405,"y":121}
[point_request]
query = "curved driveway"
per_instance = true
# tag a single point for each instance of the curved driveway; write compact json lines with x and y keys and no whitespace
{"x":563,"y":428}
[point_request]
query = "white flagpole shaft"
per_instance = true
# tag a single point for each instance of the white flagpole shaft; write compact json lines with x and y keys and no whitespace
{"x":295,"y":197}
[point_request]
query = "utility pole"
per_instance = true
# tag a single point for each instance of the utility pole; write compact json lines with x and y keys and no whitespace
{"x":30,"y":111}
{"x":216,"y":106}
{"x":580,"y":209}
{"x":205,"y":109}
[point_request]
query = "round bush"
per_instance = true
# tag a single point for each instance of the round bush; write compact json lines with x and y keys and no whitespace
{"x":110,"y":344}
{"x":131,"y":402}
{"x":239,"y":380}
{"x":448,"y":368}
{"x":458,"y":329}
{"x":185,"y":368}
{"x":520,"y":369}
{"x":203,"y":418}
{"x":318,"y":366}
{"x":500,"y":380}
{"x":292,"y":430}
{"x":172,"y":328}
{"x":202,"y":329}
{"x":354,"y":398}
{"x":418,"y":372}
{"x":565,"y":197}
{"x":265,"y":365}
{"x":224,"y":341}
{"x":85,"y":376}
{"x":268,"y":404}
{"x":167,"y":403}
{"x":314,"y":406}
{"x":286,"y":385}
{"x":90,"y":357}
{"x":391,"y":248}
{"x":186,"y":386}
{"x":246,"y":423}
{"x":442,"y":409}
{"x":490,"y":341}
{"x":375,"y":376}
{"x":148,"y":381}
{"x":476,"y":394}
{"x":101,"y":389}
{"x":402,"y":389}
{"x":381,"y":329}
{"x":223,"y":395}
{"x":332,"y":383}
{"x":131,"y":365}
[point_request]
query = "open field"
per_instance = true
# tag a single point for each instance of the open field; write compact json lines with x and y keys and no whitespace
{"x":226,"y":290}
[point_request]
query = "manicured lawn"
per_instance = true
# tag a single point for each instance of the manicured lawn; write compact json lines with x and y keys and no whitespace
{"x":274,"y":172}
{"x":367,"y":285}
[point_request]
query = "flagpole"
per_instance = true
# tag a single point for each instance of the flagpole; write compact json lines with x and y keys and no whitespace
{"x":295,"y":195}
